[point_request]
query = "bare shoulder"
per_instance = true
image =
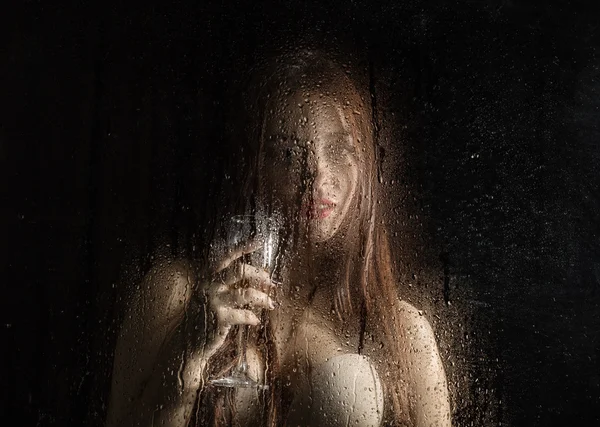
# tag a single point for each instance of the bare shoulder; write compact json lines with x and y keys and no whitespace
{"x":431,"y":404}
{"x":409,"y":313}
{"x":419,"y":332}
{"x":171,"y":270}
{"x":157,"y":306}
{"x":166,"y":289}
{"x":176,"y":276}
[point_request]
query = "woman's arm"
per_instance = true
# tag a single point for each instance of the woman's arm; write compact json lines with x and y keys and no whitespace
{"x":158,"y":368}
{"x":149,"y":357}
{"x":430,"y":404}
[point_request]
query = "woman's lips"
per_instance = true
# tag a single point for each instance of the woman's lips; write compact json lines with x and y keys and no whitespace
{"x":320,"y":209}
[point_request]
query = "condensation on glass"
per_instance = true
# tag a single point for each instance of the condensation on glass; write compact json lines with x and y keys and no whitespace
{"x":302,"y":310}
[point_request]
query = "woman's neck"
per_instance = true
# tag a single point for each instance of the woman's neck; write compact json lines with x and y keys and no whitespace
{"x":316,"y":273}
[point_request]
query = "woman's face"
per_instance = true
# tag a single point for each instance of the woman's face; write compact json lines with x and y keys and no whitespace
{"x":311,"y":162}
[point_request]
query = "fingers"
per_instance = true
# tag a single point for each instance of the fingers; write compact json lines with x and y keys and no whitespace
{"x":251,"y":297}
{"x":255,"y":277}
{"x":226,"y":318}
{"x":235,"y":316}
{"x":227,"y":296}
{"x":232,"y":305}
{"x":228,"y":315}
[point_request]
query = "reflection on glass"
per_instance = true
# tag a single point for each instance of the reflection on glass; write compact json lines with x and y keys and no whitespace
{"x":333,"y":342}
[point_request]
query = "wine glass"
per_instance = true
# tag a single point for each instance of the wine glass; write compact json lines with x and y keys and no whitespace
{"x":264,"y":231}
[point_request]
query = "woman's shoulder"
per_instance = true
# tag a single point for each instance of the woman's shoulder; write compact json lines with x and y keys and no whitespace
{"x":170,"y":276}
{"x":166,"y":289}
{"x":405,"y":308}
{"x":171,"y":269}
{"x":416,"y":324}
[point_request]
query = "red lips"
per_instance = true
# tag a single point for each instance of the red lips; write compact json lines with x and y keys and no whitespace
{"x":320,"y":209}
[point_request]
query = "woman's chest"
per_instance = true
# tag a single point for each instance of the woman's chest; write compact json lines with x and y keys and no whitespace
{"x":303,"y":341}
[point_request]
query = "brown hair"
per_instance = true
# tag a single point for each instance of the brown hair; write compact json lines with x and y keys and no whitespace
{"x":367,"y":296}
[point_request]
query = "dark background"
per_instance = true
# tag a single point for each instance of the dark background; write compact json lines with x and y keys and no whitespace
{"x":111,"y":118}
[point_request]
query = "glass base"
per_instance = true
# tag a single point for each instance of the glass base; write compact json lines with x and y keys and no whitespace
{"x":238,"y":380}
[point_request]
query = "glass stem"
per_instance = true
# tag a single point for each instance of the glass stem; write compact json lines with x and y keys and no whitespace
{"x":242,"y":365}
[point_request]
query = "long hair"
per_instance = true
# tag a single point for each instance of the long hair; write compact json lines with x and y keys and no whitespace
{"x":367,"y":295}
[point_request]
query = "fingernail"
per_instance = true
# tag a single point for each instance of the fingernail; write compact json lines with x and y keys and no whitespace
{"x":273,"y":304}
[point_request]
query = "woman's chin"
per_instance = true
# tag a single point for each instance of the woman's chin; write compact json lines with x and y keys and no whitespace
{"x":321,"y":231}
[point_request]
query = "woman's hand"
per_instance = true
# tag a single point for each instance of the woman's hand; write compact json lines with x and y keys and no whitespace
{"x":233,"y":292}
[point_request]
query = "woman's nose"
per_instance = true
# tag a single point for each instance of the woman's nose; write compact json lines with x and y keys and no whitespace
{"x":318,"y":170}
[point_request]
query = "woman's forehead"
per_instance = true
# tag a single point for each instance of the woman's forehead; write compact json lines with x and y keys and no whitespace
{"x":308,"y":114}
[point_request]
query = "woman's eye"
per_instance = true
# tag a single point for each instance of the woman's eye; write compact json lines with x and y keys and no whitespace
{"x":347,"y":146}
{"x":291,"y":154}
{"x":341,"y":148}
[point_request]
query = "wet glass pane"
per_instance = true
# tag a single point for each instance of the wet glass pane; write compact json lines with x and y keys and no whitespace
{"x":346,"y":213}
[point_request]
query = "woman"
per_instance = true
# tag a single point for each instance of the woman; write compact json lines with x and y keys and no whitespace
{"x":334,"y":342}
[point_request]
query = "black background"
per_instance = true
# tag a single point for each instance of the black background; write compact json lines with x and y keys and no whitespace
{"x":111,"y":115}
